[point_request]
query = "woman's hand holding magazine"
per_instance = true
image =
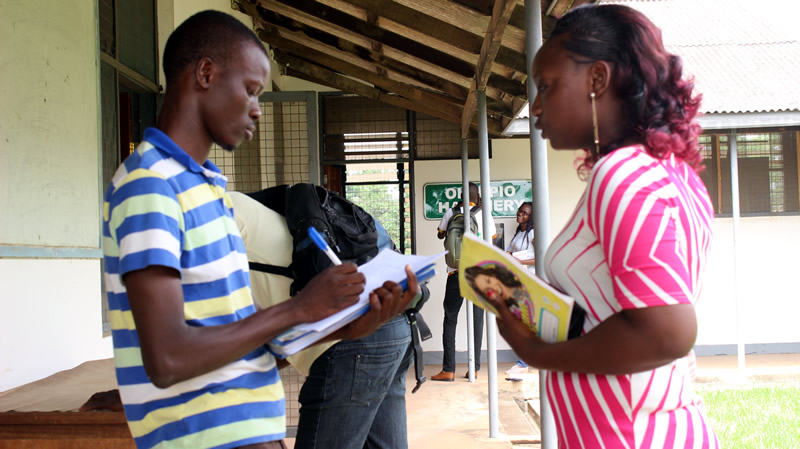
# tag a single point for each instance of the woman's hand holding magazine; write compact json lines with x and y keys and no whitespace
{"x":496,"y":281}
{"x":511,"y":328}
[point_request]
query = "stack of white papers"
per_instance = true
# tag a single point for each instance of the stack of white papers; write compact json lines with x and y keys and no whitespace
{"x":386,"y":266}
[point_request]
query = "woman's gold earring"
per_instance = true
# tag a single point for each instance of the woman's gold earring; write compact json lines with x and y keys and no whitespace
{"x":594,"y":122}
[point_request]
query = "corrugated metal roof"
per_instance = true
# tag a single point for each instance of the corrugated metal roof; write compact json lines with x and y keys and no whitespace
{"x":744,"y":54}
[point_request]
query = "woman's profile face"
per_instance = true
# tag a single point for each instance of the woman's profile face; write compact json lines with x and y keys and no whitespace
{"x":562,"y":106}
{"x":492,"y":288}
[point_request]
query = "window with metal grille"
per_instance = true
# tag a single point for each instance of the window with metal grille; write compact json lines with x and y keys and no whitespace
{"x":283,"y":148}
{"x":283,"y":151}
{"x":366,"y":156}
{"x":128,"y":89}
{"x":368,"y":153}
{"x":438,"y":139}
{"x":768,"y":171}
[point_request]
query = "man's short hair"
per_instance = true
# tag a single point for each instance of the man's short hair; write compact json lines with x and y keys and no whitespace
{"x":208,"y":33}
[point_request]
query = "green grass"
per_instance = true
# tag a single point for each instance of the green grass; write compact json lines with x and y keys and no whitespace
{"x":762,"y":416}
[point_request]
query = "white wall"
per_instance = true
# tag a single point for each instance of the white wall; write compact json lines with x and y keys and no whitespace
{"x":49,"y":124}
{"x":767,"y":259}
{"x":50,"y":318}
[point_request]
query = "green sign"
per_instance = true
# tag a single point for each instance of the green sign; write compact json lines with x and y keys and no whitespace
{"x":506,"y":198}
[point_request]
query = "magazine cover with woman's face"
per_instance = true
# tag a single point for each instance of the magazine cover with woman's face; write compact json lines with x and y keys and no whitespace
{"x":485,"y":273}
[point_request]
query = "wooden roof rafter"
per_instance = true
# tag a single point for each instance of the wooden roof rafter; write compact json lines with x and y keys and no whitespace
{"x":491,"y":44}
{"x":430,"y":56}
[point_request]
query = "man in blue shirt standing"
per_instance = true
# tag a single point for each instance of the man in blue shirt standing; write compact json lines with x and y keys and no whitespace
{"x":188,"y":341}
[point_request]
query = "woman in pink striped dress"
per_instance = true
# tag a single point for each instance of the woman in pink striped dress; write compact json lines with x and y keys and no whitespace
{"x":634,"y":252}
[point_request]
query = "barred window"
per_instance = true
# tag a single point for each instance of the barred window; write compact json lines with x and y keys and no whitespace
{"x":768,"y":171}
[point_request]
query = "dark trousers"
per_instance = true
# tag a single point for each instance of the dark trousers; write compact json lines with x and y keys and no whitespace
{"x":452,"y":306}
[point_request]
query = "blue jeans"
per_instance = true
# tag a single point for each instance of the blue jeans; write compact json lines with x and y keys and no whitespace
{"x":355,"y":393}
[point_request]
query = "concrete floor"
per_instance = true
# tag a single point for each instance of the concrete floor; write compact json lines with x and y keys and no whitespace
{"x":441,"y":415}
{"x":444,"y":415}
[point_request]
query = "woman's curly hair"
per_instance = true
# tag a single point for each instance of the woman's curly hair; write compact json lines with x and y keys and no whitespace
{"x":658,"y":103}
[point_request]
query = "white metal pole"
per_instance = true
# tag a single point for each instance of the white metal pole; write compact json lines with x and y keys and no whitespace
{"x":733,"y":152}
{"x":486,"y":211}
{"x":471,"y":350}
{"x":541,"y":203}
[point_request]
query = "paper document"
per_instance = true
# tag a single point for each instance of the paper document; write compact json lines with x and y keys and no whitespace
{"x":388,"y":265}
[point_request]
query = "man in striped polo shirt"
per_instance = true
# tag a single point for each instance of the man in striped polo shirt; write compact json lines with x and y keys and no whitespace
{"x":188,"y":342}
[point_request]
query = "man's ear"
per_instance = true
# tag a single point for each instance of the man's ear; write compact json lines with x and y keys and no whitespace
{"x":600,"y":77}
{"x":205,"y":70}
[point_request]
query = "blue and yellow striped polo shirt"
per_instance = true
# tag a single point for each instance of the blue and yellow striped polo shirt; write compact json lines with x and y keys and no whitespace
{"x":163,"y":208}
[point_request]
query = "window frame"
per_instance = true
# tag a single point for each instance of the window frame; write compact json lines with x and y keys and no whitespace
{"x":789,"y":167}
{"x":123,"y":77}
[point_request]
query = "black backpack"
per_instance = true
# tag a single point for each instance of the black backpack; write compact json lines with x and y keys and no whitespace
{"x":350,"y":231}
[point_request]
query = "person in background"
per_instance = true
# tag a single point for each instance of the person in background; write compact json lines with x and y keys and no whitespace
{"x":192,"y":368}
{"x":453,"y":299}
{"x":336,"y":411}
{"x":634,"y":253}
{"x":522,"y":242}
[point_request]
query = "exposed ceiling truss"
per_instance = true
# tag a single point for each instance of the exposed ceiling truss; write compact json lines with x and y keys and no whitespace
{"x":429,"y":56}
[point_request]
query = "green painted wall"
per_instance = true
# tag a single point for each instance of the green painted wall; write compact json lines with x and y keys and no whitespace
{"x":49,"y":187}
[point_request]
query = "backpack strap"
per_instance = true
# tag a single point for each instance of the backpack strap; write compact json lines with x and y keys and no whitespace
{"x":272,"y":269}
{"x":419,"y":333}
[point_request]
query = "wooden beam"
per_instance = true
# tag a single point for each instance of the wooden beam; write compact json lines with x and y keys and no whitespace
{"x":376,"y":33}
{"x":332,"y":79}
{"x":347,"y":40}
{"x":491,"y":43}
{"x":511,"y":87}
{"x":319,"y":58}
{"x":312,"y":31}
{"x":364,"y":57}
{"x":460,"y":15}
{"x":500,"y":108}
{"x":377,"y":47}
{"x":453,"y":93}
{"x":469,"y":110}
{"x":419,"y":21}
{"x":319,"y":75}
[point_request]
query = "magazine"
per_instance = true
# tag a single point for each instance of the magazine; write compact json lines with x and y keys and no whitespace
{"x":388,"y":265}
{"x":486,"y":270}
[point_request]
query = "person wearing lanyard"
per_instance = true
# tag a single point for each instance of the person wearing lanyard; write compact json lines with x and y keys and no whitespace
{"x":521,"y":247}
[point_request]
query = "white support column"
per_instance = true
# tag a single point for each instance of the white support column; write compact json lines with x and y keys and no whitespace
{"x":486,"y":212}
{"x":471,"y":350}
{"x":541,"y":204}
{"x":733,"y":153}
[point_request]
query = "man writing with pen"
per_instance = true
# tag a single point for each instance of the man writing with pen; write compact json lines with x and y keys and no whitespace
{"x":189,"y":343}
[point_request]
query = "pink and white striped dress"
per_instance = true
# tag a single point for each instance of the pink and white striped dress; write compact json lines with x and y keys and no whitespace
{"x":639,"y":237}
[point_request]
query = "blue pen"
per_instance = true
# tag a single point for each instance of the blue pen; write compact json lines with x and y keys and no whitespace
{"x":323,"y":245}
